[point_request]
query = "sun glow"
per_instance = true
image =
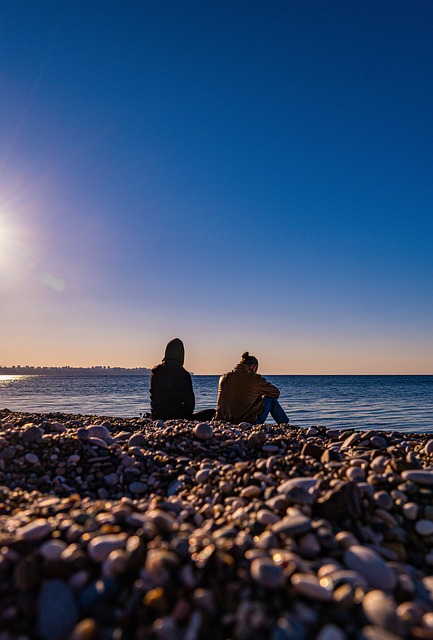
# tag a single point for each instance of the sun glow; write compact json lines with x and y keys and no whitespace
{"x":13,"y":253}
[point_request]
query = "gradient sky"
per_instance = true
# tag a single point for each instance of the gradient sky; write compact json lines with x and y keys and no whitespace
{"x":242,"y":174}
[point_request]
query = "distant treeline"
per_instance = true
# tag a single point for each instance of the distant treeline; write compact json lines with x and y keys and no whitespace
{"x":73,"y":371}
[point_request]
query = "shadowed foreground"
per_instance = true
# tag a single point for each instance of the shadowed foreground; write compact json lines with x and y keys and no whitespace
{"x":126,"y":528}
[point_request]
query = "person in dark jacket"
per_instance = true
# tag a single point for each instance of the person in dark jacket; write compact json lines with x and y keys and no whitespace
{"x":245,"y":396}
{"x":171,"y":393}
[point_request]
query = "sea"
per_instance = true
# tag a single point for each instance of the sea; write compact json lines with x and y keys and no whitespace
{"x":396,"y":403}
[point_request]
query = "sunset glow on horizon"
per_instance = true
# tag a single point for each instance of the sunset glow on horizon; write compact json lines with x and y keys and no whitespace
{"x":244,"y":176}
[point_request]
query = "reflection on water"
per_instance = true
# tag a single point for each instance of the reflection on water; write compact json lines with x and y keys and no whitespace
{"x":6,"y":379}
{"x":378,"y":402}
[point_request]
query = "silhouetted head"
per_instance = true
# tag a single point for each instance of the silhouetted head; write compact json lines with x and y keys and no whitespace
{"x":175,"y":352}
{"x":250,"y":361}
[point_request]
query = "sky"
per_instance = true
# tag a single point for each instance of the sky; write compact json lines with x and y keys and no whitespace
{"x":247,"y":175}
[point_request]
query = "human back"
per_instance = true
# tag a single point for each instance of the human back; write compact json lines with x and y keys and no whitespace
{"x":241,"y":392}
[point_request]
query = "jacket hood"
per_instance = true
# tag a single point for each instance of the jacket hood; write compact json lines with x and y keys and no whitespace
{"x":175,"y":352}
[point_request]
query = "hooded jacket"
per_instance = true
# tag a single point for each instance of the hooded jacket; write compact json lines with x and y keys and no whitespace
{"x":171,"y":393}
{"x":240,"y":393}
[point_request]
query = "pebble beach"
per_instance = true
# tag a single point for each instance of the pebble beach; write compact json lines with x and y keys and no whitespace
{"x":125,"y":528}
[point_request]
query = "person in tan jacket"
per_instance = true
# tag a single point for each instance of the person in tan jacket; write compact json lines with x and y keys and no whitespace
{"x":245,"y":396}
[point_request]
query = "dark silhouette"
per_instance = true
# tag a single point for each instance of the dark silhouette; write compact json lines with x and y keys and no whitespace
{"x":171,"y":393}
{"x":245,"y":396}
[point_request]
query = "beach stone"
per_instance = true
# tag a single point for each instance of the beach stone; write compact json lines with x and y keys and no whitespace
{"x":58,"y":427}
{"x":86,"y":629}
{"x":58,"y":611}
{"x":331,"y":632}
{"x":138,"y":487}
{"x":298,"y":483}
{"x":419,"y":477}
{"x":31,"y":434}
{"x":424,"y":527}
{"x":98,"y":442}
{"x":164,"y":521}
{"x":267,"y":574}
{"x":99,"y":431}
{"x":292,"y":525}
{"x":100,"y":547}
{"x":137,"y":440}
{"x":381,"y":610}
{"x":36,"y":530}
{"x":203,"y":431}
{"x":252,"y":491}
{"x":52,"y":549}
{"x":111,"y":479}
{"x":428,"y":449}
{"x":356,"y":474}
{"x":31,"y":458}
{"x":265,"y":516}
{"x":378,"y":442}
{"x":369,"y":564}
{"x":339,"y":503}
{"x":308,"y":585}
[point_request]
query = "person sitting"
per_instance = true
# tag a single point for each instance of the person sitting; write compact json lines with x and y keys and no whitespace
{"x":171,"y":393}
{"x":245,"y":396}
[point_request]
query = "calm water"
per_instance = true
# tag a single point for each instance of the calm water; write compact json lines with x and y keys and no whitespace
{"x":402,"y":403}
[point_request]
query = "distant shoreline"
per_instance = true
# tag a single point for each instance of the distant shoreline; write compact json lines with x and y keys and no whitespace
{"x":73,"y":371}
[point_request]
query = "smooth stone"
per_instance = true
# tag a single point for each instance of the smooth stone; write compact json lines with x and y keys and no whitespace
{"x":293,"y":525}
{"x":34,"y":531}
{"x":331,"y":632}
{"x":58,"y":427}
{"x":138,"y":487}
{"x":264,"y":516}
{"x":202,"y":476}
{"x":58,"y":611}
{"x":369,"y":564}
{"x":266,"y":573}
{"x":309,"y":586}
{"x":100,"y":547}
{"x":419,"y":477}
{"x":98,"y":431}
{"x":86,"y":629}
{"x":164,"y":521}
{"x":52,"y":549}
{"x":428,"y":449}
{"x":381,"y":610}
{"x":203,"y":431}
{"x":31,"y":434}
{"x":299,"y":483}
{"x":98,"y":442}
{"x":378,"y":442}
{"x":31,"y":458}
{"x":356,"y":474}
{"x":137,"y":440}
{"x":111,"y":479}
{"x":424,"y":527}
{"x":252,"y":491}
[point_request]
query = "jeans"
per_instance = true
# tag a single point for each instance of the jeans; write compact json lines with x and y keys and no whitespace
{"x":272,"y":406}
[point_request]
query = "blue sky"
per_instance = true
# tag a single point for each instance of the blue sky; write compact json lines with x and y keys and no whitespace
{"x":244,"y":175}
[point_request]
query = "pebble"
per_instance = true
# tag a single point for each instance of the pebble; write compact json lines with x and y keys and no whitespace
{"x":266,"y":573}
{"x":33,"y":531}
{"x":100,"y":547}
{"x":58,"y":612}
{"x":309,"y":586}
{"x":293,"y":525}
{"x":203,"y":431}
{"x":424,"y":527}
{"x":165,"y":528}
{"x":419,"y":477}
{"x":369,"y":564}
